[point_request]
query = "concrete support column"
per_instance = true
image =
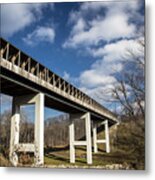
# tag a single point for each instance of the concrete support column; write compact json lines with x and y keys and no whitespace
{"x":38,"y":146}
{"x":14,"y":138}
{"x":106,"y":140}
{"x":86,"y":143}
{"x":95,"y":139}
{"x":107,"y":137}
{"x":71,"y":142}
{"x":88,"y":138}
{"x":39,"y":129}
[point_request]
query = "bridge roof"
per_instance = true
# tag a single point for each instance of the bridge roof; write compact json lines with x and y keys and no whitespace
{"x":21,"y":74}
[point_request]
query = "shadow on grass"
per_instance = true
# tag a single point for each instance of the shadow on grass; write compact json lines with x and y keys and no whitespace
{"x":63,"y":159}
{"x":61,"y":155}
{"x":55,"y":149}
{"x":58,"y":158}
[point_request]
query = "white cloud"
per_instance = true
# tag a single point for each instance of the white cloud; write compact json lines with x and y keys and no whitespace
{"x":46,"y":34}
{"x":93,"y":78}
{"x":79,"y":27}
{"x":101,"y":29}
{"x":66,"y":76}
{"x":113,"y":6}
{"x":107,"y":31}
{"x":114,"y":24}
{"x":98,"y":80}
{"x":117,"y":51}
{"x":15,"y":17}
{"x":101,"y":94}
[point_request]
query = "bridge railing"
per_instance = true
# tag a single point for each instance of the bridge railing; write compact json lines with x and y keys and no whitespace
{"x":23,"y":64}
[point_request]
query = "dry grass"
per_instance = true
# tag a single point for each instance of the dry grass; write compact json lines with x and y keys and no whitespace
{"x":4,"y":162}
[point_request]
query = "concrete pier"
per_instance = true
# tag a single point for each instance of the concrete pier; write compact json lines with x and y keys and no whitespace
{"x":86,"y":117}
{"x":105,"y":141}
{"x":38,"y":146}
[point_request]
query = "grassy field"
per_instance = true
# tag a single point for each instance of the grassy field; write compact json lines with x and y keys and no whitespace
{"x":103,"y":160}
{"x":59,"y":158}
{"x":127,"y":152}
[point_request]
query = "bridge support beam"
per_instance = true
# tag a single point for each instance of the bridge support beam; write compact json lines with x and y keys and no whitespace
{"x":106,"y":140}
{"x":14,"y":134}
{"x":38,"y":146}
{"x":86,"y":143}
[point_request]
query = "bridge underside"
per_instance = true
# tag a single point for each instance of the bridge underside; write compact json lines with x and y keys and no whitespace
{"x":12,"y":88}
{"x":14,"y":85}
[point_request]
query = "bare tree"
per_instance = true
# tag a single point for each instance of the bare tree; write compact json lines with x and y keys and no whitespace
{"x":129,"y":95}
{"x":129,"y":91}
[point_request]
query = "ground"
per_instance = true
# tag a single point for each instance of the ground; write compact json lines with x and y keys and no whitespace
{"x":115,"y":160}
{"x":59,"y":158}
{"x":127,"y":152}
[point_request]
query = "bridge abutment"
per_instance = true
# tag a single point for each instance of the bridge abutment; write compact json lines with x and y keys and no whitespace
{"x":38,"y":147}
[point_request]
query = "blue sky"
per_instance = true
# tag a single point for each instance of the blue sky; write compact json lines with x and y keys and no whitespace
{"x":85,"y":43}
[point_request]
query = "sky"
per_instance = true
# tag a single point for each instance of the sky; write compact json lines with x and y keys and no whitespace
{"x":85,"y":43}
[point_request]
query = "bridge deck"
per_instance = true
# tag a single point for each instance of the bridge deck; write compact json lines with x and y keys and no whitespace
{"x":21,"y":74}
